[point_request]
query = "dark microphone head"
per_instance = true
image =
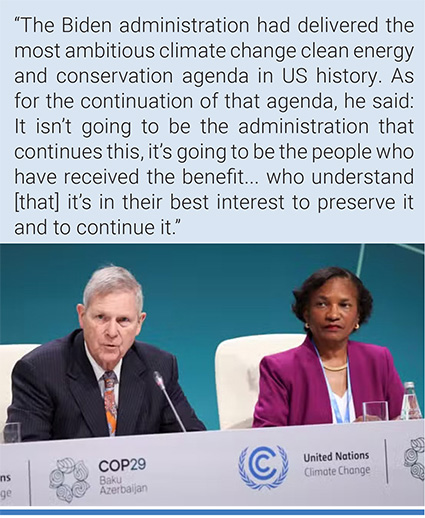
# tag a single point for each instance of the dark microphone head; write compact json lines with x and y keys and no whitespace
{"x":158,"y":380}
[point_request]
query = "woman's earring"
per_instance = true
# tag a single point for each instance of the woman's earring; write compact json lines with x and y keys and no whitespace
{"x":356,"y":326}
{"x":306,"y":326}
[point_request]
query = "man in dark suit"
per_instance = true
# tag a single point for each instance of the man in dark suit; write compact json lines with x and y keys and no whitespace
{"x":99,"y":381}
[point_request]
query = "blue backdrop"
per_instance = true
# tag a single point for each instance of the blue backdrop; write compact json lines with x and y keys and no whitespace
{"x":198,"y":295}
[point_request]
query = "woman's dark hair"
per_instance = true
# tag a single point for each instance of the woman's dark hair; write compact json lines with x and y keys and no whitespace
{"x":318,"y":279}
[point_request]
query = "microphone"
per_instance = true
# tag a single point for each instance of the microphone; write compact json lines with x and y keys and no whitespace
{"x":160,"y":382}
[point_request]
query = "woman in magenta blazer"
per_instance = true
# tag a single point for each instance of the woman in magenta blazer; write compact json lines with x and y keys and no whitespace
{"x":328,"y":377}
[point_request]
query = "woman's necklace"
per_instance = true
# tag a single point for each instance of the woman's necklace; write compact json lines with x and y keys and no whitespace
{"x":335,"y":369}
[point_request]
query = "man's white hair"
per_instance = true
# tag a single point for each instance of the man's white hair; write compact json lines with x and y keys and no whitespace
{"x":112,"y":279}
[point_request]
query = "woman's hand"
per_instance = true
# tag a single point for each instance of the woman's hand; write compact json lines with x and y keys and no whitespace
{"x":361,"y":419}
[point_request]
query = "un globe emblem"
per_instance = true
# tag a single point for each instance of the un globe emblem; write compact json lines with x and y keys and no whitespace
{"x":263,"y":467}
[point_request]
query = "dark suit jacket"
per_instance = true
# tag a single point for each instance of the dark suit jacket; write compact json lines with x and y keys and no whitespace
{"x":293,"y":389}
{"x":56,"y":394}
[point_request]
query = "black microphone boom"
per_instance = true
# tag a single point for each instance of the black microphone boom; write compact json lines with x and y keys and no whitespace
{"x":160,"y":382}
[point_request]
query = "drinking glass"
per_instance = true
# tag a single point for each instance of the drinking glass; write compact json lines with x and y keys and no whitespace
{"x":375,"y":411}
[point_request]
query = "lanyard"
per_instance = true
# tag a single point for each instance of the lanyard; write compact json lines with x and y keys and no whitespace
{"x":334,"y":404}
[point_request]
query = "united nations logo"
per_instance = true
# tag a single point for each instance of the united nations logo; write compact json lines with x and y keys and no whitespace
{"x":69,"y":479}
{"x":412,"y":459}
{"x":267,"y":467}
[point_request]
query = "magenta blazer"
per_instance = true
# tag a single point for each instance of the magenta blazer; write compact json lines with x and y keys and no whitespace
{"x":293,"y":389}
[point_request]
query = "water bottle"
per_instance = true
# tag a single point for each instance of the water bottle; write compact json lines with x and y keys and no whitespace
{"x":410,"y":407}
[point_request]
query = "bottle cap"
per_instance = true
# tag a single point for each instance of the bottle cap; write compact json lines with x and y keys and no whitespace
{"x":409,"y":384}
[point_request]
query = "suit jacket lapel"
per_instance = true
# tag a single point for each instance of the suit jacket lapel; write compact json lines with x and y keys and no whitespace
{"x":356,"y":376}
{"x":319,"y":393}
{"x":85,"y":389}
{"x":132,"y":395}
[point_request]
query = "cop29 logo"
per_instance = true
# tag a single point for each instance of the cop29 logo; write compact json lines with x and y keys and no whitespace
{"x":263,"y":467}
{"x":69,"y":479}
{"x":414,"y":458}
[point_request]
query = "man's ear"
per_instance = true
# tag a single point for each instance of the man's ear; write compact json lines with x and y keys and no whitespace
{"x":140,"y":322}
{"x":81,"y":310}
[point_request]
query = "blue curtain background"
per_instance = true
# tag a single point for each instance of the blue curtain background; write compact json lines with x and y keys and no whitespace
{"x":198,"y":295}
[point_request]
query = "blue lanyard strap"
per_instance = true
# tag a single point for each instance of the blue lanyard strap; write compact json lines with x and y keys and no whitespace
{"x":334,"y":404}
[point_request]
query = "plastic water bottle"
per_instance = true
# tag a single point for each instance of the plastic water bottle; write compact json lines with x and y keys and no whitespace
{"x":410,"y":407}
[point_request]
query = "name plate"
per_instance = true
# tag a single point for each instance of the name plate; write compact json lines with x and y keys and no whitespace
{"x":364,"y":464}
